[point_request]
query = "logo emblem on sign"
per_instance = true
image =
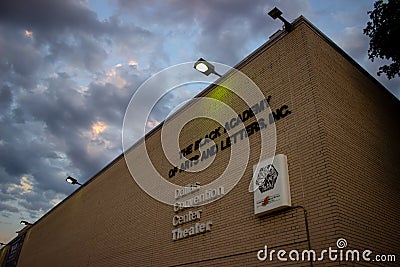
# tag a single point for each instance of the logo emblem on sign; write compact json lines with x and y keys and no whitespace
{"x":266,"y":178}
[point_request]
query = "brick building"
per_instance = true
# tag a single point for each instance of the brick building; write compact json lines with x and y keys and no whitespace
{"x":339,"y":131}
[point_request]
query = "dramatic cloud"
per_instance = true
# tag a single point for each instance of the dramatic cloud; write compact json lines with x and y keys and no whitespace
{"x":5,"y":207}
{"x":223,"y":30}
{"x":62,"y":99}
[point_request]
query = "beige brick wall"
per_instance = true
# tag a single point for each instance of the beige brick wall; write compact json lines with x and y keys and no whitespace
{"x":339,"y":139}
{"x":362,"y":139}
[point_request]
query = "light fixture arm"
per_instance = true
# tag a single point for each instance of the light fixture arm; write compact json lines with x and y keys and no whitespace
{"x":288,"y":25}
{"x":216,"y":73}
{"x":275,"y":13}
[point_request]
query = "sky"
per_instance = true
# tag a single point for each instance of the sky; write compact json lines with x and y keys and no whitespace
{"x":68,"y":69}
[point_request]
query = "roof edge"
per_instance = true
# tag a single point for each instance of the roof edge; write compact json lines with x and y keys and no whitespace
{"x":275,"y":37}
{"x":302,"y":19}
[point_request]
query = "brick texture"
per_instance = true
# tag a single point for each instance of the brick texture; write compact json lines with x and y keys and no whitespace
{"x":341,"y":140}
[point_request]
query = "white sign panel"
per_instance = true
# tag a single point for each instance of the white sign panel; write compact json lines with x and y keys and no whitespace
{"x":271,"y":184}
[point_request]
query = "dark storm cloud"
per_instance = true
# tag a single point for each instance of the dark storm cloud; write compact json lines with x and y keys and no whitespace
{"x":23,"y":152}
{"x":49,"y":15}
{"x":19,"y":60}
{"x":109,"y":101}
{"x":5,"y":98}
{"x":66,"y":31}
{"x":13,"y":46}
{"x":61,"y":116}
{"x":223,"y":29}
{"x":59,"y":30}
{"x":58,"y":106}
{"x":53,"y":89}
{"x":84,"y":52}
{"x":34,"y":202}
{"x":5,"y":207}
{"x":68,"y":114}
{"x":4,"y":196}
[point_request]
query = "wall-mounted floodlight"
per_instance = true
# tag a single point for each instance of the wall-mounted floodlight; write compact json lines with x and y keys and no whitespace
{"x":205,"y":67}
{"x":276,"y":13}
{"x":72,"y":180}
{"x":25,"y":223}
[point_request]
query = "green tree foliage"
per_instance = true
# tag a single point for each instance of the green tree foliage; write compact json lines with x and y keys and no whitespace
{"x":384,"y":31}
